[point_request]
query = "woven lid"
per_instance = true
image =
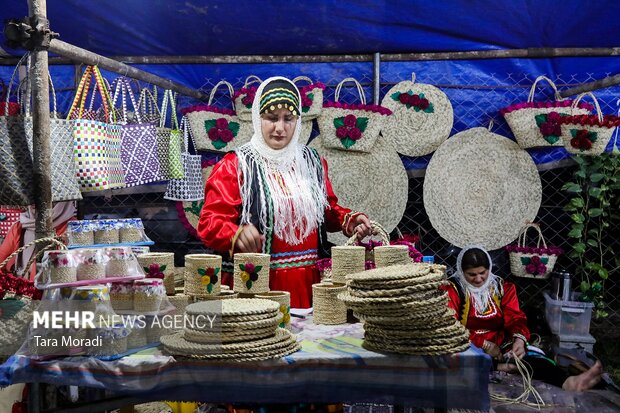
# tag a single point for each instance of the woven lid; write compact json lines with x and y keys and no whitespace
{"x":480,"y":188}
{"x":422,"y":118}
{"x":364,"y":181}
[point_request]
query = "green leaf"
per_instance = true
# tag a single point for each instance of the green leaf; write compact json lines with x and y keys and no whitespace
{"x":593,"y":232}
{"x":540,"y":119}
{"x":577,"y":202}
{"x":416,"y":108}
{"x":219,"y":144}
{"x":525,"y":260}
{"x":310,"y":96}
{"x":209,"y":288}
{"x":584,"y":286}
{"x":551,"y":138}
{"x":595,"y":212}
{"x":579,"y":159}
{"x":430,"y":108}
{"x":361,"y":123}
{"x":202,"y":271}
{"x":410,"y":92}
{"x":593,"y":136}
{"x":146,"y":269}
{"x":258,"y":268}
{"x":395,"y":96}
{"x":305,"y":109}
{"x":579,"y":247}
{"x":573,"y":133}
{"x":596,"y":177}
{"x":162,"y":268}
{"x":603,"y":273}
{"x":242,"y":267}
{"x":544,"y":260}
{"x":593,"y":242}
{"x":600,"y":314}
{"x":421,"y":95}
{"x":347,"y":142}
{"x":578,"y":218}
{"x":248,"y":284}
{"x":571,"y":187}
{"x":338,"y":122}
{"x":595,"y":192}
{"x":580,"y":173}
{"x":216,"y":271}
{"x":209,"y":124}
{"x":234,"y":127}
{"x":574,"y":234}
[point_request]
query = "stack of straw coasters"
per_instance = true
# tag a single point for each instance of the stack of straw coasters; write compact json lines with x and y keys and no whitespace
{"x":404,"y":311}
{"x":237,"y":329}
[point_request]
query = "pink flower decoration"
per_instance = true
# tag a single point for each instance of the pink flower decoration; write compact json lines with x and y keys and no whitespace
{"x":415,"y":100}
{"x":247,"y":100}
{"x":553,"y":116}
{"x":221,"y":123}
{"x":423,"y":104}
{"x":535,"y":259}
{"x":403,"y":98}
{"x":226,"y":135}
{"x":531,"y":268}
{"x":355,"y":133}
{"x":213,"y":134}
{"x":342,"y":132}
{"x":249,"y":267}
{"x":349,"y":121}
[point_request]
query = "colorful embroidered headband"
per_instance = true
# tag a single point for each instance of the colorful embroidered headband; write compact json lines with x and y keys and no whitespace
{"x":279,"y":94}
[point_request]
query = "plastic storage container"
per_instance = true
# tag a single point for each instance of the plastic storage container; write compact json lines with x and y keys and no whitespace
{"x":568,"y":318}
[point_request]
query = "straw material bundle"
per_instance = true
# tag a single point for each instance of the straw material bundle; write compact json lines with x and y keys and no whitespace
{"x":480,"y":188}
{"x":327,"y":307}
{"x":251,"y":273}
{"x":422,"y":117}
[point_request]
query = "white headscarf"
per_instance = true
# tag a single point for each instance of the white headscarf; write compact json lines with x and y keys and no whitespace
{"x":299,"y":199}
{"x":483,"y":295}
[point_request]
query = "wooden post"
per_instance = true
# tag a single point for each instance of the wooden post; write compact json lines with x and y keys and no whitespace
{"x":39,"y":76}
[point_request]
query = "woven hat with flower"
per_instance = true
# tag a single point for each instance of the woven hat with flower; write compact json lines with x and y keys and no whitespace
{"x":244,"y":97}
{"x":421,"y":120}
{"x":532,"y":262}
{"x":537,"y":124}
{"x":351,"y":127}
{"x":213,"y":128}
{"x":588,"y":134}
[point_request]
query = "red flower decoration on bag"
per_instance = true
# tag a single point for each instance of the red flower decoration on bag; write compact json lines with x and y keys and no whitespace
{"x":221,"y":131}
{"x":249,"y":273}
{"x":155,"y":271}
{"x":208,"y":277}
{"x":535,"y":265}
{"x":582,"y":139}
{"x":349,"y":129}
{"x":549,"y":126}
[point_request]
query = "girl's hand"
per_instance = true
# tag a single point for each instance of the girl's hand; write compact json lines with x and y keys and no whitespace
{"x":361,"y":226}
{"x":518,"y":348}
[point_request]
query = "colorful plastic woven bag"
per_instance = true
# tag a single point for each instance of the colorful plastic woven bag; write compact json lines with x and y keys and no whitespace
{"x":169,"y":143}
{"x":189,"y":188}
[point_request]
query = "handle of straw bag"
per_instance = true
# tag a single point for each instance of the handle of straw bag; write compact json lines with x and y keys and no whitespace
{"x":104,"y":90}
{"x":359,"y":89}
{"x":490,"y":125}
{"x":530,"y":98}
{"x":412,"y":77}
{"x":168,"y":99}
{"x":252,"y":79}
{"x":306,"y":78}
{"x":522,"y":234}
{"x":54,"y":242}
{"x":151,"y":109}
{"x":377,"y":229}
{"x":230,"y":90}
{"x":594,"y":99}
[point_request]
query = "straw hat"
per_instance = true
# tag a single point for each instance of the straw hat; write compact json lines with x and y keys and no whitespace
{"x":481,"y":188}
{"x":364,"y":181}
{"x":417,"y":130}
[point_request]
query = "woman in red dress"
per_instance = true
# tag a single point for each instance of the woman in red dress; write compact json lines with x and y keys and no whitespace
{"x":489,"y":308}
{"x":273,"y":195}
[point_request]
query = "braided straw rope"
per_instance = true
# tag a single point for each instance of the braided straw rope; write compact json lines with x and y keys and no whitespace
{"x":160,"y":258}
{"x":395,"y":292}
{"x":528,"y":389}
{"x":281,"y":350}
{"x":446,"y":328}
{"x":53,"y":241}
{"x":347,"y":260}
{"x":454,"y":337}
{"x":179,"y":344}
{"x":240,"y":307}
{"x":473,"y":197}
{"x":194,"y":265}
{"x":377,"y":229}
{"x":417,"y":133}
{"x":261,"y":285}
{"x":223,"y":295}
{"x":395,"y":272}
{"x":327,"y":307}
{"x":408,"y":318}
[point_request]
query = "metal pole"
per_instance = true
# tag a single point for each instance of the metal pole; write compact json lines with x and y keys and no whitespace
{"x":78,"y":54}
{"x":42,"y":171}
{"x":376,"y":69}
{"x":587,"y":87}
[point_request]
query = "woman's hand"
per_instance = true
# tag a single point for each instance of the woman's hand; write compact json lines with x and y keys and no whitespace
{"x":491,"y":349}
{"x":518,"y":348}
{"x":249,"y":240}
{"x":361,"y":226}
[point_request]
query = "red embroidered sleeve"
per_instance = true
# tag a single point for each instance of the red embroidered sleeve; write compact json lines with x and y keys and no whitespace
{"x":515,"y":321}
{"x":334,"y":214}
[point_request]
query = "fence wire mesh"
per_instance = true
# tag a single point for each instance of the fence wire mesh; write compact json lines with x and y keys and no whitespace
{"x":476,"y":101}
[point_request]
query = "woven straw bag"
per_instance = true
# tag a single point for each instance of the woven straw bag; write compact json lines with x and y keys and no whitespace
{"x":213,"y":129}
{"x":169,"y":140}
{"x":351,"y":127}
{"x":327,"y":307}
{"x":422,"y":117}
{"x":244,"y":98}
{"x":536,"y":124}
{"x":588,"y":134}
{"x":347,"y":259}
{"x":147,"y":107}
{"x":378,"y":230}
{"x":532,"y":262}
{"x":311,"y":98}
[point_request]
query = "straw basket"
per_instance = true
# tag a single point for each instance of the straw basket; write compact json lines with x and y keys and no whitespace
{"x":370,"y":251}
{"x":107,"y":232}
{"x":328,"y":309}
{"x":148,"y":294}
{"x":351,"y":127}
{"x":131,"y":230}
{"x":156,"y":263}
{"x":311,"y":98}
{"x":533,"y":124}
{"x":121,"y":295}
{"x":251,"y":273}
{"x":284,"y":299}
{"x":387,"y":255}
{"x":588,"y":134}
{"x":244,"y":98}
{"x":63,"y":268}
{"x":203,"y":274}
{"x":120,"y":261}
{"x":532,"y":262}
{"x":91,"y":264}
{"x":347,"y":259}
{"x":80,"y":233}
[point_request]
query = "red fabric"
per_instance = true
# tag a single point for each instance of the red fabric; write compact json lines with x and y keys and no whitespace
{"x":497,"y":324}
{"x":219,"y":222}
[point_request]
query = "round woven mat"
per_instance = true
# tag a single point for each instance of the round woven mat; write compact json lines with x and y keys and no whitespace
{"x":377,"y":176}
{"x":454,"y":337}
{"x":480,"y":188}
{"x":395,"y":292}
{"x":234,"y":307}
{"x":410,"y":317}
{"x":215,"y":336}
{"x":444,"y":328}
{"x":394,"y":272}
{"x":289,"y":348}
{"x":416,"y":132}
{"x":426,"y":350}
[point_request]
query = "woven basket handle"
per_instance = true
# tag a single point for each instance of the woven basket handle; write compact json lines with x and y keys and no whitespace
{"x":24,"y":97}
{"x":377,"y":229}
{"x":359,"y":89}
{"x":54,"y":242}
{"x":530,"y":98}
{"x":13,"y":79}
{"x":594,"y":99}
{"x":412,"y":77}
{"x":230,"y":90}
{"x":522,"y":235}
{"x":168,"y":99}
{"x":150,"y":108}
{"x":306,"y":78}
{"x":123,"y":85}
{"x":252,"y":79}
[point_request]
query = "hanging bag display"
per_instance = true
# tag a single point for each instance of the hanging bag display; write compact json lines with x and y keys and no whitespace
{"x":169,"y":142}
{"x":244,"y":98}
{"x":147,"y":106}
{"x":96,"y":144}
{"x":189,"y":188}
{"x":537,"y":124}
{"x":212,"y":128}
{"x":139,"y":153}
{"x":588,"y":134}
{"x":532,"y":262}
{"x":351,"y":127}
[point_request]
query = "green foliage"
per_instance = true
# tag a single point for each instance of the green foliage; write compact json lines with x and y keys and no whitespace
{"x":593,"y":208}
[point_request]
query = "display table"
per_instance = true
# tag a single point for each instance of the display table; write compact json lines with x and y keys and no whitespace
{"x":331,"y":367}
